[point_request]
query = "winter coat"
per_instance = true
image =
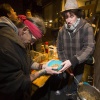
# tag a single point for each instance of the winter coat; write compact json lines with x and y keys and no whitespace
{"x":76,"y":46}
{"x":15,"y":83}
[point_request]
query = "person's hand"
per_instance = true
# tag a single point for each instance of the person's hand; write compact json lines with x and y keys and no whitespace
{"x":50,"y":70}
{"x":66,"y":64}
{"x":44,"y":66}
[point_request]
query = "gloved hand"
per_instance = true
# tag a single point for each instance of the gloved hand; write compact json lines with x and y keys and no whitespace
{"x":66,"y":64}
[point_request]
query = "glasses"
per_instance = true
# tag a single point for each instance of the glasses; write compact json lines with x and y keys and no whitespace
{"x":26,"y":30}
{"x":33,"y":39}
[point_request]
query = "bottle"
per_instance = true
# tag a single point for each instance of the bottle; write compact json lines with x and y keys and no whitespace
{"x":42,"y":49}
{"x":50,"y":53}
{"x":46,"y":47}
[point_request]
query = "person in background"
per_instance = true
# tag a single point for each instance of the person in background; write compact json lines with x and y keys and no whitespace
{"x":75,"y":43}
{"x":15,"y":65}
{"x":28,"y":13}
{"x":8,"y":11}
{"x":37,"y":45}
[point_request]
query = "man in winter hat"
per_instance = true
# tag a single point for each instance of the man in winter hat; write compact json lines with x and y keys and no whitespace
{"x":75,"y":43}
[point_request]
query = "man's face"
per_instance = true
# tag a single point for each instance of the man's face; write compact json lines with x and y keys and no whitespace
{"x":70,"y":18}
{"x":25,"y":35}
{"x":12,"y":15}
{"x":28,"y":14}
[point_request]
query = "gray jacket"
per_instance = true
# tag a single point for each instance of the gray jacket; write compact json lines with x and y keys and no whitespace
{"x":76,"y":46}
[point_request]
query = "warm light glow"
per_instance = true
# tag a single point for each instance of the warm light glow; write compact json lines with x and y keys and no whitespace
{"x":50,"y":21}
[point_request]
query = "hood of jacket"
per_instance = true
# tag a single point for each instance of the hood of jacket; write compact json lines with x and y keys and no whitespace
{"x":4,"y":21}
{"x":9,"y":30}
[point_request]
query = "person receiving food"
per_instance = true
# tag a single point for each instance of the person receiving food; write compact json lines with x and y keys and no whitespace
{"x":15,"y":64}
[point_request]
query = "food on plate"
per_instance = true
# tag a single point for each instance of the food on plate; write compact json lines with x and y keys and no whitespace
{"x":55,"y":64}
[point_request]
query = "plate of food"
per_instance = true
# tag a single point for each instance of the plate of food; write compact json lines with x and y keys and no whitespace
{"x":55,"y":64}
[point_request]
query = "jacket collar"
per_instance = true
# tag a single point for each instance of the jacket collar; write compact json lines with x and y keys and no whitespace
{"x":11,"y":34}
{"x":4,"y":21}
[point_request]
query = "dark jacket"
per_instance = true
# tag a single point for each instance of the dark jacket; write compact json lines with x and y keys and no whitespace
{"x":15,"y":83}
{"x":76,"y":46}
{"x":96,"y":75}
